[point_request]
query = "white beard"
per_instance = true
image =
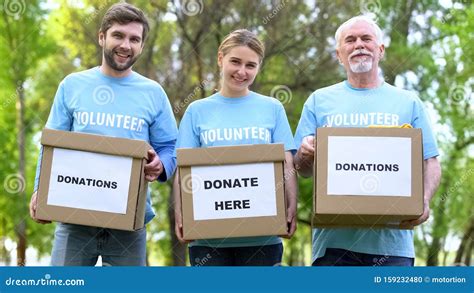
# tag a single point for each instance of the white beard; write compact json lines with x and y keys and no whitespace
{"x":361,"y":67}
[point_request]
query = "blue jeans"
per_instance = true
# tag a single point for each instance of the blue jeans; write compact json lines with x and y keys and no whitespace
{"x":266,"y":255}
{"x":76,"y":245}
{"x":342,"y":257}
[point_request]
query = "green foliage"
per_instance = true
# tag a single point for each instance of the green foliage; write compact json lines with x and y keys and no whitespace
{"x":429,"y":50}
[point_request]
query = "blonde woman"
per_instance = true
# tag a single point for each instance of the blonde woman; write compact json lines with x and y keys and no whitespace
{"x":236,"y":109}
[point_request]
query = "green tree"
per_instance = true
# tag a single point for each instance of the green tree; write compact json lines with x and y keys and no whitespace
{"x":21,"y":47}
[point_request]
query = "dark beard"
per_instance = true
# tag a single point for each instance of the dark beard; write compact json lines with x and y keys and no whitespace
{"x":109,"y":58}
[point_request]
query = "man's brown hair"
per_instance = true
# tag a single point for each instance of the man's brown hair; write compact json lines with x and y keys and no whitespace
{"x":124,"y":13}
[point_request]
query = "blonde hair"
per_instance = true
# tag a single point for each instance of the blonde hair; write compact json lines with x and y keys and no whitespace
{"x":242,"y":37}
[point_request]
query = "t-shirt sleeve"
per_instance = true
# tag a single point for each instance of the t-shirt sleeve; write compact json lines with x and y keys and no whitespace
{"x":163,"y":133}
{"x":308,"y":123}
{"x":60,"y":117}
{"x":188,"y":136}
{"x":421,"y":120}
{"x":282,"y":132}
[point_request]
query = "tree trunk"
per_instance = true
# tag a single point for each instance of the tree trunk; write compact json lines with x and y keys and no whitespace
{"x":467,"y":261}
{"x":398,"y":36}
{"x":178,"y":249}
{"x":5,"y":254}
{"x":465,"y":244}
{"x":443,"y":250}
{"x":21,"y":225}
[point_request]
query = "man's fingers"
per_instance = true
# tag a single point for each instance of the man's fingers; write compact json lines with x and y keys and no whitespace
{"x":152,"y":165}
{"x":33,"y":206}
{"x":310,"y":141}
{"x":151,"y":155}
{"x":179,"y":234}
{"x":41,"y":221}
{"x":291,"y":223}
{"x":307,"y":147}
{"x":292,"y":228}
{"x":150,"y":178}
{"x":410,"y":224}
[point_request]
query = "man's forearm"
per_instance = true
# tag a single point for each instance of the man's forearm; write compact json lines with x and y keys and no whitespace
{"x":304,"y":166}
{"x":166,"y":153}
{"x":177,"y":195}
{"x":291,"y":183}
{"x":431,"y":178}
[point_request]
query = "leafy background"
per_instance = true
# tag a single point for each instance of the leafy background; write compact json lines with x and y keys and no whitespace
{"x":429,"y":50}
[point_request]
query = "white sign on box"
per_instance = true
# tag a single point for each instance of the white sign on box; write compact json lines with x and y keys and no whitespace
{"x":89,"y":181}
{"x":233,"y":191}
{"x":369,"y":166}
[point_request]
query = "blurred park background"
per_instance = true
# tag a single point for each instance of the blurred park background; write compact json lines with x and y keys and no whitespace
{"x":429,"y":50}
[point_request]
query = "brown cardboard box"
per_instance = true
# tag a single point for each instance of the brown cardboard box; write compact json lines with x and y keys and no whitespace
{"x":349,"y":192}
{"x":232,"y":191}
{"x":92,"y":180}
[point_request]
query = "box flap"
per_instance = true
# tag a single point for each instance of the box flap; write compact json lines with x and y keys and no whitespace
{"x":240,"y":154}
{"x":366,"y":131}
{"x":95,"y":143}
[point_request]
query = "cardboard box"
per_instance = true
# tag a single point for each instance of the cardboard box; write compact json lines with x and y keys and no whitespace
{"x":232,"y":191}
{"x":369,"y":177}
{"x":92,"y":180}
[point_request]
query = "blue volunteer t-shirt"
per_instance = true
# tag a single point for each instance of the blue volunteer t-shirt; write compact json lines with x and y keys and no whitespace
{"x":222,"y":121}
{"x":341,"y":105}
{"x":133,"y":107}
